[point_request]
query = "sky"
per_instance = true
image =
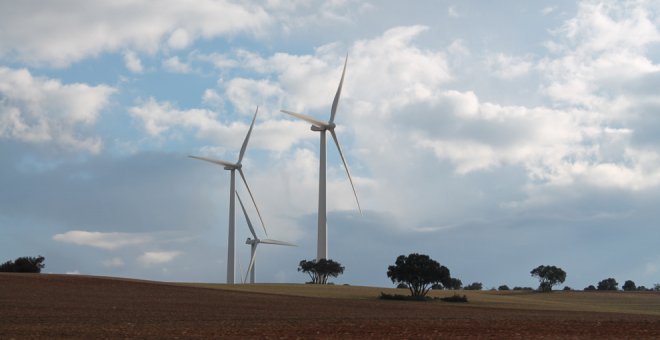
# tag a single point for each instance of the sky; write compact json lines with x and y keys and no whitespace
{"x":493,"y":136}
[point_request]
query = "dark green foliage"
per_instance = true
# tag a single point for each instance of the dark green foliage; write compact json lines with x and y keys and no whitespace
{"x":399,"y":297}
{"x":567,"y":288}
{"x":608,"y":284}
{"x":548,"y":276}
{"x":455,"y":284}
{"x":503,"y":287}
{"x":402,"y":286}
{"x":474,"y":286}
{"x":642,"y":289}
{"x":455,"y":298}
{"x":590,"y":288}
{"x":24,"y":265}
{"x":419,"y":272}
{"x":403,"y":297}
{"x":523,"y":288}
{"x":320,"y":271}
{"x":629,"y":286}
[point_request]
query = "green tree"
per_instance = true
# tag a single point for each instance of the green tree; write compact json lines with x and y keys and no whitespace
{"x":548,"y":276}
{"x":503,"y":287}
{"x":608,"y":284}
{"x":419,"y":272}
{"x":319,"y":271}
{"x":455,"y":284}
{"x":474,"y":286}
{"x":24,"y":265}
{"x":629,"y":286}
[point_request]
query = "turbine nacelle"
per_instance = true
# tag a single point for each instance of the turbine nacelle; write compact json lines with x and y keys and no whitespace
{"x":329,"y":126}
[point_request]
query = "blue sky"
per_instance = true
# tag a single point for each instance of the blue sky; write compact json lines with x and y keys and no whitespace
{"x":494,"y":137}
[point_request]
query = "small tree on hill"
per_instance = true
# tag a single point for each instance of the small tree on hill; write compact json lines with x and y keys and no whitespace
{"x":629,"y":286}
{"x":419,"y":272}
{"x":24,"y":265}
{"x":319,"y":271}
{"x":474,"y":286}
{"x":455,"y":284}
{"x":608,"y":284}
{"x":503,"y":287}
{"x":548,"y":276}
{"x":589,"y":288}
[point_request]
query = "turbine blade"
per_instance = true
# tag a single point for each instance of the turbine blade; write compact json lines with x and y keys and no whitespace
{"x":247,"y":138}
{"x":249,"y":223}
{"x":240,"y":171}
{"x":252,"y":258}
{"x":336,"y":101}
{"x":334,"y":137}
{"x":281,"y":243}
{"x":311,"y":120}
{"x":215,"y":161}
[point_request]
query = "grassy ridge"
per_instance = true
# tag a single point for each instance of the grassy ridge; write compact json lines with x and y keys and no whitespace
{"x":647,"y":303}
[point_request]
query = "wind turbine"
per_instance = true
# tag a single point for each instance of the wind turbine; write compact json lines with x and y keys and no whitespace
{"x":255,"y":242}
{"x":232,"y":167}
{"x":322,"y":127}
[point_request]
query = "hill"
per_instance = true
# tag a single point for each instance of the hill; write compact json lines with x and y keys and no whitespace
{"x":53,"y":306}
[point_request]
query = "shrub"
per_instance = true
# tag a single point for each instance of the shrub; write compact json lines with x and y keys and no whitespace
{"x":455,"y":298}
{"x":503,"y":287}
{"x":589,"y":288}
{"x":567,"y":288}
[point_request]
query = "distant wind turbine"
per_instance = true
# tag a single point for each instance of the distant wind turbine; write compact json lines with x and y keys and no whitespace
{"x":232,"y":167}
{"x":322,"y":127}
{"x":255,"y":242}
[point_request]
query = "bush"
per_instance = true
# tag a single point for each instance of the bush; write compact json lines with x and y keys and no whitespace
{"x":589,"y":288}
{"x":523,"y":288}
{"x":567,"y":288}
{"x":455,"y":298}
{"x":24,"y":265}
{"x":503,"y":287}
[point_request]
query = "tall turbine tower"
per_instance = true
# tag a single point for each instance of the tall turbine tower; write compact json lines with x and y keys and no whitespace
{"x":255,"y":242}
{"x":232,"y":167}
{"x":322,"y":127}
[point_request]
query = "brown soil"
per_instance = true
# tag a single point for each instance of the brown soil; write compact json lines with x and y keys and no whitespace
{"x":59,"y":306}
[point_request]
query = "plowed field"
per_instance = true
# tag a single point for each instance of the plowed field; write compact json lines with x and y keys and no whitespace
{"x":60,"y":306}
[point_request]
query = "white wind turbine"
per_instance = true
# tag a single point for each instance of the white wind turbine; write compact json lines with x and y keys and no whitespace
{"x":255,"y":242}
{"x":322,"y":127}
{"x":232,"y":167}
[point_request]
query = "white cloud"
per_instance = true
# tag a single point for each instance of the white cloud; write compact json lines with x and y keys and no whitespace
{"x":163,"y":120}
{"x":452,"y":12}
{"x":509,"y":67}
{"x":179,"y":39}
{"x":42,"y":110}
{"x":102,"y":240}
{"x":158,"y":257}
{"x":115,"y":262}
{"x":132,"y":62}
{"x":174,"y":65}
{"x":91,"y":29}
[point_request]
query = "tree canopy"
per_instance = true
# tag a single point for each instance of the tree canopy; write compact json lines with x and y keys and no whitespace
{"x":548,"y":276}
{"x":629,"y":285}
{"x":419,"y":272}
{"x":319,"y":271}
{"x":608,"y":284}
{"x":24,"y":265}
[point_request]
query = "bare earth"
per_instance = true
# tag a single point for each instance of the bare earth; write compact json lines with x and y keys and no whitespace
{"x":60,"y":306}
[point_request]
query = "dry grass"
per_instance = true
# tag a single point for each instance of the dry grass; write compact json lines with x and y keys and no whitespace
{"x":643,"y":303}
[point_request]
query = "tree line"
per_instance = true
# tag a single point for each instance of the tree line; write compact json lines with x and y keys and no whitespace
{"x":24,"y":265}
